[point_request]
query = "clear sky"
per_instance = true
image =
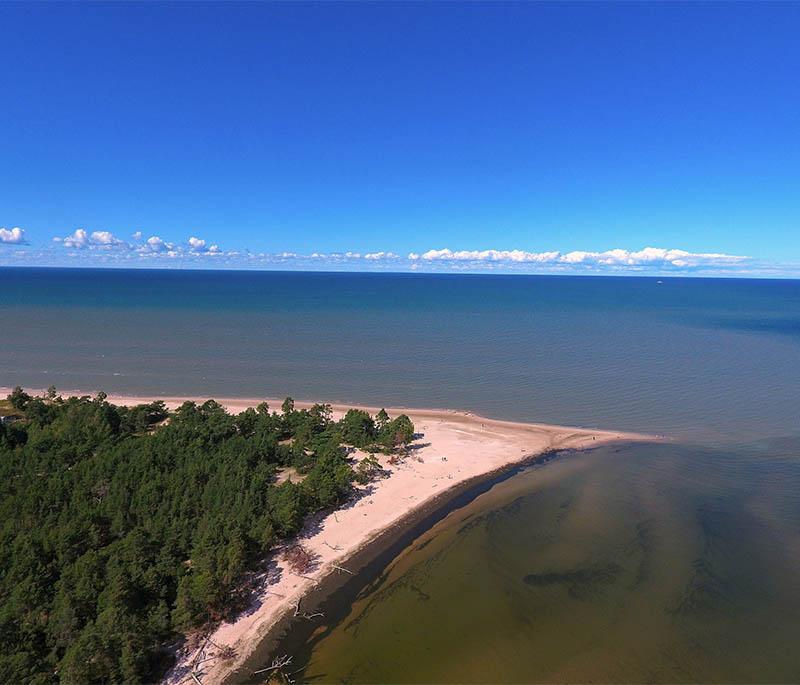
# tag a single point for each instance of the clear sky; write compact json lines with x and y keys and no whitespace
{"x":531,"y":137}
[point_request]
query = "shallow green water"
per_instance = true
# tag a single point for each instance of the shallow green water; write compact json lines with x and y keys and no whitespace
{"x":647,"y":563}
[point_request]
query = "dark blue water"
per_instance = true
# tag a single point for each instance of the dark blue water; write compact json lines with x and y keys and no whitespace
{"x":711,"y":359}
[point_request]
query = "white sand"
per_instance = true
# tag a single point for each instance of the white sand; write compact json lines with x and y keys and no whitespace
{"x":454,"y":447}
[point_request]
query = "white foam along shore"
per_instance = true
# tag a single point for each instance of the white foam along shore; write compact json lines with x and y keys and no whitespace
{"x":451,"y":449}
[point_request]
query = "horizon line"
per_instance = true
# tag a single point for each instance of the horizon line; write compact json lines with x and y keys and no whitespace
{"x":409,"y":272}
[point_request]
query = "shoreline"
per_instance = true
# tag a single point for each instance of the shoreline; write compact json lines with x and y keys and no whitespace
{"x":453,"y":454}
{"x":239,"y":404}
{"x":373,"y":554}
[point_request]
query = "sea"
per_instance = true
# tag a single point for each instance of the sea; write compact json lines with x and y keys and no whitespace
{"x":672,"y":561}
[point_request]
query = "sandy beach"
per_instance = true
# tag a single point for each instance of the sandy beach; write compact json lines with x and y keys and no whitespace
{"x":452,"y":448}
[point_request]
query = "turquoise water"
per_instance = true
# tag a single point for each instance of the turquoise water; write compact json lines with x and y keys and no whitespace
{"x":670,"y":562}
{"x":716,"y":359}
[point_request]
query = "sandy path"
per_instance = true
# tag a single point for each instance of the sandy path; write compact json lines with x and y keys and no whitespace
{"x":454,"y":447}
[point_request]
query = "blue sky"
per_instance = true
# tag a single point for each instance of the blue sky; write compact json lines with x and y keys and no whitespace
{"x":530,"y":137}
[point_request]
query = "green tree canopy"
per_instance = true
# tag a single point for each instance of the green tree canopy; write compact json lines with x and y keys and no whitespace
{"x":122,"y":526}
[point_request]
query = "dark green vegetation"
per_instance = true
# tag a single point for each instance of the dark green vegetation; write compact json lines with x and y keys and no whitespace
{"x":123,"y":527}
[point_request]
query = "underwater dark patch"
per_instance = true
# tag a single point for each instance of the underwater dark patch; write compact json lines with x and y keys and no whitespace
{"x":581,"y":583}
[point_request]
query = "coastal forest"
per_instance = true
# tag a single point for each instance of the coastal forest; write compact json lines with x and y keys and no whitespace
{"x":124,"y":528}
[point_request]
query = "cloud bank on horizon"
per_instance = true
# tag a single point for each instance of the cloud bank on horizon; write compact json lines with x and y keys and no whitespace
{"x":649,"y":256}
{"x":81,"y":239}
{"x":104,"y":248}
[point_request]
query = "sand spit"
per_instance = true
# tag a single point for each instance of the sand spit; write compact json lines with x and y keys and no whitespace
{"x":451,"y":449}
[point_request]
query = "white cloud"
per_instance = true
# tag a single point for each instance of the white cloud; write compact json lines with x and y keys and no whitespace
{"x":486,"y":256}
{"x":81,"y":239}
{"x":198,"y":246}
{"x":616,"y":258}
{"x":654,"y":256}
{"x":155,"y":245}
{"x":377,"y":256}
{"x":106,"y":239}
{"x":12,"y":236}
{"x":78,"y":239}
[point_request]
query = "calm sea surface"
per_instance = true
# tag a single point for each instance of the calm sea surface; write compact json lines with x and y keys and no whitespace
{"x":712,"y":358}
{"x":662,"y":563}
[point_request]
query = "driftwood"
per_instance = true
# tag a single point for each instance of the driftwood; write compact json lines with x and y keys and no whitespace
{"x":197,"y":660}
{"x":226,"y":653}
{"x":201,"y":650}
{"x":342,"y":568}
{"x":299,"y":558}
{"x":305,"y":614}
{"x":278,"y":664}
